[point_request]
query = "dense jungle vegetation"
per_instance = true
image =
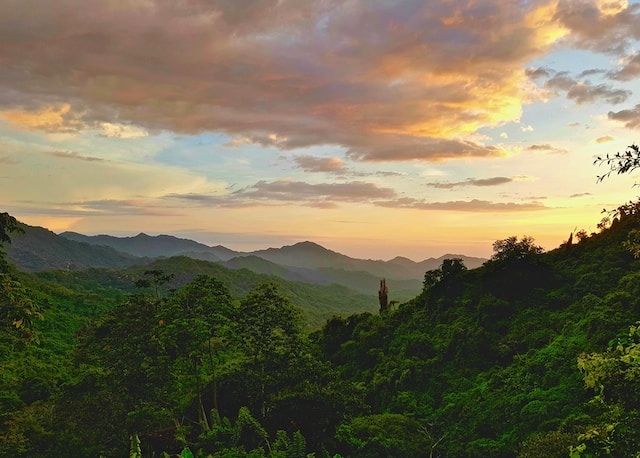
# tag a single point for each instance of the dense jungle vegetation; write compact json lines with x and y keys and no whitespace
{"x":532,"y":355}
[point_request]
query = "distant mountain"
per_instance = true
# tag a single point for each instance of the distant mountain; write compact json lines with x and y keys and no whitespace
{"x":154,"y":246}
{"x":362,"y":282}
{"x":305,"y":262}
{"x":317,"y":302}
{"x":367,"y":283}
{"x":262,"y":266}
{"x":304,"y":254}
{"x":302,"y":261}
{"x":40,"y":249}
{"x":310,"y":255}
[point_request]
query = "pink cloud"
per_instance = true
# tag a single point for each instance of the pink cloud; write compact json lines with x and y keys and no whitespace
{"x":320,"y":164}
{"x":387,"y":82}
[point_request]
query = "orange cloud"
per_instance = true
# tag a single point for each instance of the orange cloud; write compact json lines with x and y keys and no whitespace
{"x":49,"y":118}
{"x":411,"y":80}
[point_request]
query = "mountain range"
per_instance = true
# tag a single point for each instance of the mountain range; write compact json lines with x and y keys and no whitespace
{"x":39,"y":249}
{"x":303,"y":255}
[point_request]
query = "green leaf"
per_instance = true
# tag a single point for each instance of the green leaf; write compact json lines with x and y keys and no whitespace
{"x":186,"y":453}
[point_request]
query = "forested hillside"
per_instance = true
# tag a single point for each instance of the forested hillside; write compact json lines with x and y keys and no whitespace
{"x":36,"y":249}
{"x":316,"y":303}
{"x":532,"y":355}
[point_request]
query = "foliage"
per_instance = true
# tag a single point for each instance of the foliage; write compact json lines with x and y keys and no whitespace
{"x":154,"y":278}
{"x":17,"y":309}
{"x":620,"y":162}
{"x":633,"y":243}
{"x":385,"y":435}
{"x":214,"y":363}
{"x":512,"y":249}
{"x":552,"y":444}
{"x":615,"y":377}
{"x":8,"y":224}
{"x":615,"y":374}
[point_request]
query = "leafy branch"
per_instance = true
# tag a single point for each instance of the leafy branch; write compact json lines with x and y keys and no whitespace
{"x":624,"y":162}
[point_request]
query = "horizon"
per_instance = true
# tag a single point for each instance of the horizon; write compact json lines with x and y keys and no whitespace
{"x":253,"y":248}
{"x":375,"y":130}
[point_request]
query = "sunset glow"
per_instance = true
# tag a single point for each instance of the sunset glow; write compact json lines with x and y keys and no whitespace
{"x":376,"y":129}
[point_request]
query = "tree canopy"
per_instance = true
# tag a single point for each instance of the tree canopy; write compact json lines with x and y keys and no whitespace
{"x":530,"y":355}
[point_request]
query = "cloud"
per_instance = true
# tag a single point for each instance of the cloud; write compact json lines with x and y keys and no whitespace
{"x":8,"y":160}
{"x":122,"y":131}
{"x":545,"y":147}
{"x":51,"y":177}
{"x":524,"y":178}
{"x":328,"y":195}
{"x":591,"y":71}
{"x":121,"y":207}
{"x":601,"y":25}
{"x":322,"y":195}
{"x":98,"y":208}
{"x":495,"y":181}
{"x":320,"y":164}
{"x":472,"y":206}
{"x":629,"y":71}
{"x":50,"y":118}
{"x":74,"y":155}
{"x":630,"y":117}
{"x":408,"y":80}
{"x":387,"y":173}
{"x":540,"y":147}
{"x":397,"y":147}
{"x":526,"y":129}
{"x":356,"y":191}
{"x":605,"y":139}
{"x":585,"y":92}
{"x":541,"y":72}
{"x":582,"y":194}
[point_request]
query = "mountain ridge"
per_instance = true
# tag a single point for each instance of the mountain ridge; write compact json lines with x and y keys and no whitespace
{"x":40,"y":249}
{"x":183,"y":245}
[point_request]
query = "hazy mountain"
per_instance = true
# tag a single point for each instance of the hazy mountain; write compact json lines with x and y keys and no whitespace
{"x":302,"y":261}
{"x":362,"y":282}
{"x":154,"y":246}
{"x":306,"y":262}
{"x":260,"y":265}
{"x":322,"y":278}
{"x":310,"y":255}
{"x":318,"y":302}
{"x":367,"y":283}
{"x":40,"y":249}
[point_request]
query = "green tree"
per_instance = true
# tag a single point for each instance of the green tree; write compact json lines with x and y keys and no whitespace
{"x":268,"y":326}
{"x":614,"y":375}
{"x":154,"y":278}
{"x":516,"y":269}
{"x":17,"y":308}
{"x":386,"y":436}
{"x":154,"y":356}
{"x":8,"y":224}
{"x":512,"y":249}
{"x":193,"y":324}
{"x":622,"y":162}
{"x":449,"y":270}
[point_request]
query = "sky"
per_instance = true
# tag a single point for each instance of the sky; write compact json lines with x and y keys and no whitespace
{"x":374,"y":128}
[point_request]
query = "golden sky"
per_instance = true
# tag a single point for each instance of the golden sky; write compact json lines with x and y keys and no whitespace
{"x":374,"y":128}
